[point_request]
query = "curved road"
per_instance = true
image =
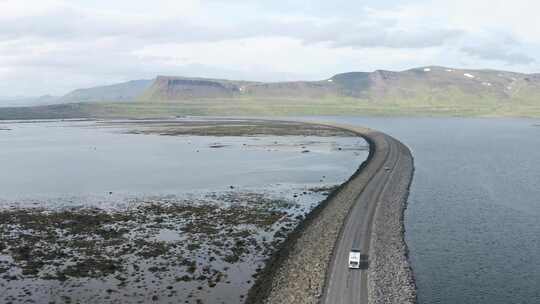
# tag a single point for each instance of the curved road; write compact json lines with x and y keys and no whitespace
{"x":365,"y":213}
{"x":344,"y":285}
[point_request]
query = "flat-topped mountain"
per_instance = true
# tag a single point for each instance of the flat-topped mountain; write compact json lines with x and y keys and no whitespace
{"x":178,"y":88}
{"x":169,"y":88}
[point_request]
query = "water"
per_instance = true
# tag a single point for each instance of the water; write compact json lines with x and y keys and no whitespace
{"x":53,"y":165}
{"x":472,"y":224}
{"x":473,"y":221}
{"x":64,"y":160}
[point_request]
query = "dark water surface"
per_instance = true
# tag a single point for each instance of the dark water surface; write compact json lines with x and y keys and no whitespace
{"x":473,"y":221}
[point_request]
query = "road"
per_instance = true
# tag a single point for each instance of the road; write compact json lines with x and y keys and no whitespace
{"x":344,"y":285}
{"x":366,"y":211}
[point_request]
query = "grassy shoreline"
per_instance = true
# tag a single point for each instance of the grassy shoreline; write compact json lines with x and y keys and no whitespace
{"x":272,"y":107}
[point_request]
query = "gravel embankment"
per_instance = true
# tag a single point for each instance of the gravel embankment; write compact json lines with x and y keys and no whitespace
{"x":296,"y":273}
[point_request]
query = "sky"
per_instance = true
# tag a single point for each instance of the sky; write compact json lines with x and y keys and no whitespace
{"x":54,"y":46}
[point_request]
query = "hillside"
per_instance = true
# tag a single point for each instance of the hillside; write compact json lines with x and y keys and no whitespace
{"x":126,"y":91}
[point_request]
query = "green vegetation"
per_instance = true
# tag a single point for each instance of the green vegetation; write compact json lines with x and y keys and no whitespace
{"x":483,"y":107}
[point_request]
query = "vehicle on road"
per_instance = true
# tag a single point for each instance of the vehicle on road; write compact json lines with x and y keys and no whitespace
{"x":354,"y":258}
{"x":387,"y":168}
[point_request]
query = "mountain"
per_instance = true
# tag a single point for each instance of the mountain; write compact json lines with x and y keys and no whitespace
{"x":121,"y":92}
{"x":177,"y":88}
{"x":169,"y":88}
{"x":422,"y":85}
{"x":126,"y":91}
{"x":442,"y":85}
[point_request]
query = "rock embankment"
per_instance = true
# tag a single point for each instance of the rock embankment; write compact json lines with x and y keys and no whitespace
{"x":390,"y":277}
{"x":297,"y":272}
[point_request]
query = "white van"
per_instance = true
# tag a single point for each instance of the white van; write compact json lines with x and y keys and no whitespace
{"x":354,"y":259}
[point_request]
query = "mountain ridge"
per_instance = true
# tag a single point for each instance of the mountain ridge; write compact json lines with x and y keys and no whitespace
{"x":423,"y":91}
{"x":420,"y":83}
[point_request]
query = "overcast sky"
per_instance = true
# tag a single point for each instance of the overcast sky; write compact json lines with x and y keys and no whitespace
{"x":53,"y":46}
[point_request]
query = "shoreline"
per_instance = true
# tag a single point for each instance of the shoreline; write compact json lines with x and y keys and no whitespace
{"x":298,"y":271}
{"x":173,"y":238}
{"x":312,"y":243}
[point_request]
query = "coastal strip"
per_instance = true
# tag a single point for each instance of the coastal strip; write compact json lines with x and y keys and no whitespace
{"x":299,"y":271}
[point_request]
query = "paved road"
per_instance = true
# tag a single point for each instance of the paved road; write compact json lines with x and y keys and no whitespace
{"x":344,"y":285}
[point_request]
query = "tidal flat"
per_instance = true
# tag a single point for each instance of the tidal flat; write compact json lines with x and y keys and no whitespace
{"x":168,"y":249}
{"x":215,"y":201}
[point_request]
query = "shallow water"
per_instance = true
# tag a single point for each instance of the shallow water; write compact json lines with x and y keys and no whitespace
{"x":48,"y":166}
{"x":60,"y":161}
{"x":473,"y":221}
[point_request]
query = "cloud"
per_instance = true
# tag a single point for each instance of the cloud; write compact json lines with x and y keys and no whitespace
{"x":379,"y":36}
{"x":51,"y":46}
{"x":497,"y":46}
{"x":498,"y":53}
{"x":68,"y":22}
